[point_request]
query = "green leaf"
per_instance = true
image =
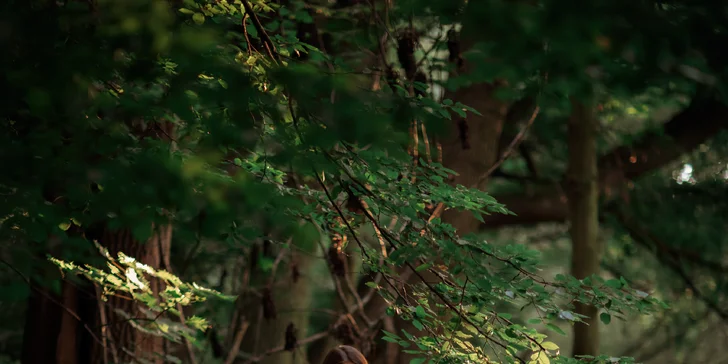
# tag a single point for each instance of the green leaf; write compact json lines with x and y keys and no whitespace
{"x":606,"y":318}
{"x":468,"y":108}
{"x":445,"y":114}
{"x":420,"y":312}
{"x":478,"y":216}
{"x":418,"y":325}
{"x":198,"y":18}
{"x":142,"y":231}
{"x":614,"y":283}
{"x":555,"y":329}
{"x":540,"y":358}
{"x":460,"y":112}
{"x":252,"y":31}
{"x":372,"y":285}
{"x":504,"y":315}
{"x":548,"y":345}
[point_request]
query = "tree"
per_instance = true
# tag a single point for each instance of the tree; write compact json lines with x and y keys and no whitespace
{"x":583,"y":198}
{"x":290,"y":159}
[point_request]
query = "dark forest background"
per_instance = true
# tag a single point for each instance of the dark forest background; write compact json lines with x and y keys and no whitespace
{"x":443,"y":181}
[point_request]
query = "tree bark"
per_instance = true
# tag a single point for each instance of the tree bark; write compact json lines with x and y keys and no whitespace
{"x":470,"y":149}
{"x":42,"y":328}
{"x":472,"y":146}
{"x":291,"y":299}
{"x":76,"y":326}
{"x":129,"y":343}
{"x":583,"y":201}
{"x":64,"y":329}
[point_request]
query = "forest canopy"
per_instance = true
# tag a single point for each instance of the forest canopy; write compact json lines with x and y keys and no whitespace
{"x":426,"y":181}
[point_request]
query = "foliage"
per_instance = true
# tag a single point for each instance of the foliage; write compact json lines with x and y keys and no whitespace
{"x":126,"y":277}
{"x":277,"y":139}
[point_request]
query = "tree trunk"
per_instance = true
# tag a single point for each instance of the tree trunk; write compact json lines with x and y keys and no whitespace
{"x":470,"y":149}
{"x":123,"y":341}
{"x":265,"y":317}
{"x":76,"y":326}
{"x":43,"y":328}
{"x":473,"y":149}
{"x":583,"y":201}
{"x":318,"y":350}
{"x":70,"y":329}
{"x":472,"y":146}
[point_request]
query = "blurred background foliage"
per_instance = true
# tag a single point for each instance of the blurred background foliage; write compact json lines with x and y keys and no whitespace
{"x":258,"y":173}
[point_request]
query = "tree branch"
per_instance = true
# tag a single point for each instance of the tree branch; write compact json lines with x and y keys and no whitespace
{"x":683,"y":133}
{"x":650,"y":242}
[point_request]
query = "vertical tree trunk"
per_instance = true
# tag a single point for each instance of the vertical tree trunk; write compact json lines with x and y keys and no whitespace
{"x":125,"y":342}
{"x":64,"y":329}
{"x":319,"y":349}
{"x":67,"y":349}
{"x":122,"y":341}
{"x":76,"y":327}
{"x":58,"y":324}
{"x":472,"y":146}
{"x":42,"y":328}
{"x":583,"y":195}
{"x":291,"y":301}
{"x":470,"y":149}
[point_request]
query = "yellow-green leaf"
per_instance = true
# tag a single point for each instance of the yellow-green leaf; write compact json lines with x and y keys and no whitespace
{"x":548,"y":345}
{"x":198,"y":18}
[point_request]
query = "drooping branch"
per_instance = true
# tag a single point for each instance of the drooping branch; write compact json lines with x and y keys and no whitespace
{"x":647,"y":240}
{"x":684,"y":132}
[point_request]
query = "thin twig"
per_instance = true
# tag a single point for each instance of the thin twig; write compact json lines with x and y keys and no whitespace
{"x":103,"y":319}
{"x":281,"y":348}
{"x":267,"y":42}
{"x":188,"y":344}
{"x":427,"y":143}
{"x":277,"y":261}
{"x":239,"y":335}
{"x":514,"y":144}
{"x":340,"y":213}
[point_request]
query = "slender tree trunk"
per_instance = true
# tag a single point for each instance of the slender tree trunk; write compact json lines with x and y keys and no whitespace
{"x":583,"y":196}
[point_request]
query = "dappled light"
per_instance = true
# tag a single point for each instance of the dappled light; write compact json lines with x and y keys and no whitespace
{"x":363,"y":181}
